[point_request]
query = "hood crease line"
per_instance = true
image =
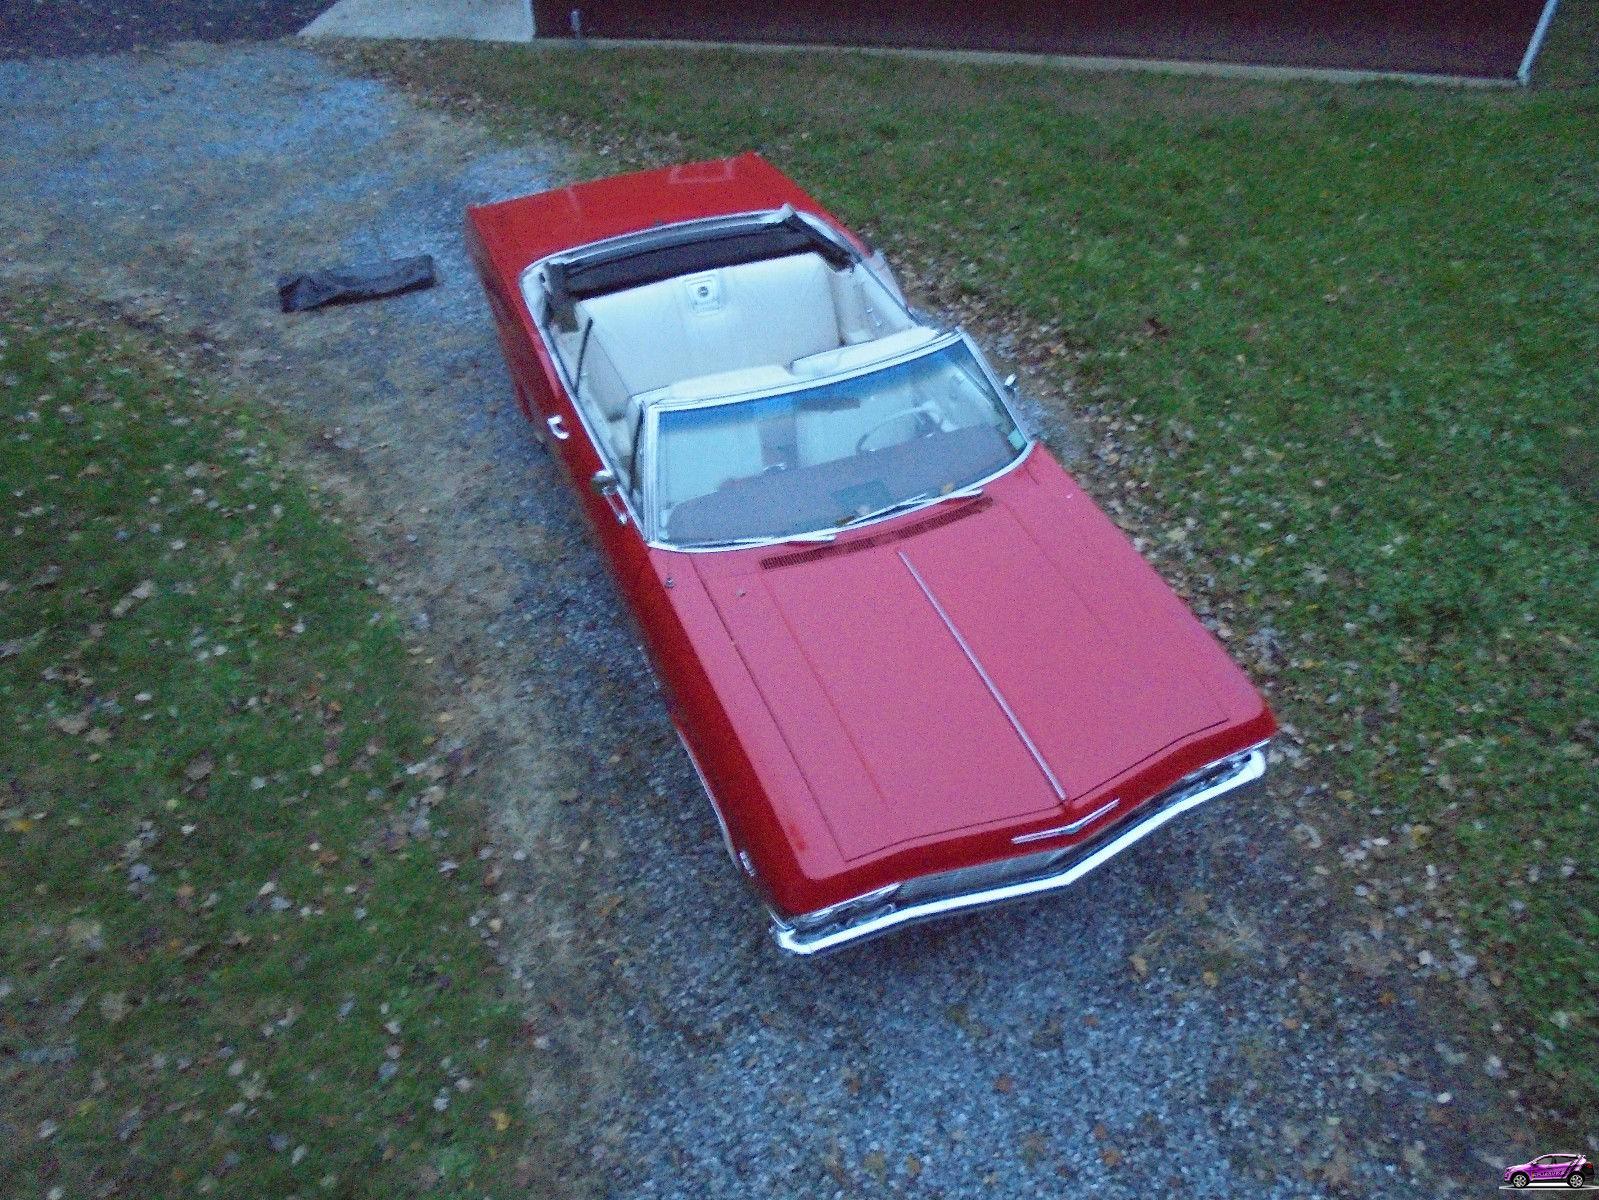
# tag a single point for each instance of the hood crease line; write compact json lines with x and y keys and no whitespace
{"x":993,"y":690}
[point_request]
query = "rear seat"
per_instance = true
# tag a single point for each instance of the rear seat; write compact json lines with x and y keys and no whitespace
{"x":741,"y":318}
{"x":751,"y":315}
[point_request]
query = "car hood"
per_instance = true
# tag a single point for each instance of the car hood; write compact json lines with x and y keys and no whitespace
{"x":946,"y":675}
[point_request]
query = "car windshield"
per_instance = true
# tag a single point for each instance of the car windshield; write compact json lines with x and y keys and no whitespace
{"x":816,"y":459}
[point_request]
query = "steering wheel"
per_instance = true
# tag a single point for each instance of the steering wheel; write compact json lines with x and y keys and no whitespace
{"x":914,"y":410}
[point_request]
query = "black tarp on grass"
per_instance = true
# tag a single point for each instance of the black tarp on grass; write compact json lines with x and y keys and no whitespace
{"x":1483,"y":38}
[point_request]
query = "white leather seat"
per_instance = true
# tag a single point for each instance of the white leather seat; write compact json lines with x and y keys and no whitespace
{"x":847,"y":358}
{"x":759,"y":313}
{"x":728,"y":330}
{"x":603,"y":394}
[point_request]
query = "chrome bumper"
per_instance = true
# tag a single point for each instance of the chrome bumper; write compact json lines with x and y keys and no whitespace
{"x":1029,"y":875}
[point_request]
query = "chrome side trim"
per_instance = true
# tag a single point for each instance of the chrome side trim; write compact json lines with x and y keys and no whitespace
{"x":1252,"y":765}
{"x":1063,"y":830}
{"x":740,"y":860}
{"x":993,"y":688}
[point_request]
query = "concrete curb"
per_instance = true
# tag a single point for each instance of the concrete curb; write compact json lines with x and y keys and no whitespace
{"x":473,"y":20}
{"x":1069,"y":62}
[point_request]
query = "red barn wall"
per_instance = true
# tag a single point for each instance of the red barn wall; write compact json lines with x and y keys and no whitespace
{"x":1469,"y":37}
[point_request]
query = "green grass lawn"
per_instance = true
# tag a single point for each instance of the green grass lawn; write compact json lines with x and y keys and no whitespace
{"x":226,"y":965}
{"x":1336,"y":352}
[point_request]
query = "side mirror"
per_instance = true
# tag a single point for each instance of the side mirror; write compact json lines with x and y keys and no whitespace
{"x":604,"y":483}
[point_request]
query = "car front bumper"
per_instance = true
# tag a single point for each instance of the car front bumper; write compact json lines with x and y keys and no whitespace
{"x":1010,"y":879}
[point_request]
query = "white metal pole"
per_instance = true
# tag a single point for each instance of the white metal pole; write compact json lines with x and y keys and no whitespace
{"x":1524,"y":74}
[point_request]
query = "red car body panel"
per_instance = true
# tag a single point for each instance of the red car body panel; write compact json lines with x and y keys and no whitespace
{"x":846,"y":735}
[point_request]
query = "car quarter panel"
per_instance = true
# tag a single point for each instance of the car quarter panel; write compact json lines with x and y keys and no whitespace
{"x":756,"y":784}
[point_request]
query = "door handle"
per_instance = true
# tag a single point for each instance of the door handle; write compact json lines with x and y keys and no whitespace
{"x":558,"y":427}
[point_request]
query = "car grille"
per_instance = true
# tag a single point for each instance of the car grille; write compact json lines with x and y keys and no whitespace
{"x":965,"y":880}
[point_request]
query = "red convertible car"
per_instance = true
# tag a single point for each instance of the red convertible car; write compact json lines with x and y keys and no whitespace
{"x":916,"y":669}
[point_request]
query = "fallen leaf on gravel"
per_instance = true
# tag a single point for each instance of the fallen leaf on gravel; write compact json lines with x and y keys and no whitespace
{"x":1004,"y":1085}
{"x":201,"y":766}
{"x":876,"y":1165}
{"x":1210,"y":979}
{"x":913,"y":1166}
{"x":501,"y":1119}
{"x":72,"y":726}
{"x":835,"y":1168}
{"x":1111,"y":1156}
{"x":1336,"y":1170}
{"x":114,"y":1006}
{"x":98,"y":736}
{"x":1140,"y":966}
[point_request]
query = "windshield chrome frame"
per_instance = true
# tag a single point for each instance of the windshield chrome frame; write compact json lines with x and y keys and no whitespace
{"x":651,"y":430}
{"x":531,"y":273}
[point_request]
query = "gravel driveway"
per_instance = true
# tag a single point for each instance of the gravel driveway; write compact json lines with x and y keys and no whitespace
{"x":30,"y":27}
{"x":1193,"y":1018}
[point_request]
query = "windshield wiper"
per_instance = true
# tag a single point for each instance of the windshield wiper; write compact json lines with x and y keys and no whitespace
{"x":820,"y":535}
{"x":827,"y":535}
{"x":971,"y":489}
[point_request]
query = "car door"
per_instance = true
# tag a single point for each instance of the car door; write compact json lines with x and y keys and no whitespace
{"x":614,"y":521}
{"x":1543,"y":1168}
